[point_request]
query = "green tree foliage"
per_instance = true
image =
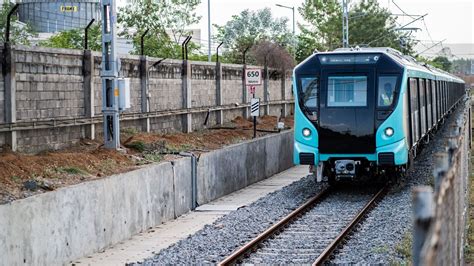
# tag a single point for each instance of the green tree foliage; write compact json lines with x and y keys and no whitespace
{"x":19,"y":33}
{"x":251,"y":27}
{"x":442,"y":62}
{"x":74,"y":39}
{"x":369,"y":25}
{"x":166,"y":22}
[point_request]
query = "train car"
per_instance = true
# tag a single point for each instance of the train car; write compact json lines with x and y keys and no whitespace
{"x":363,"y":113}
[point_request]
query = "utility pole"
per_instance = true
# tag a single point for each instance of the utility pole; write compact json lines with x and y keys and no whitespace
{"x":109,"y":74}
{"x":345,"y":24}
{"x":294,"y":32}
{"x":209,"y":30}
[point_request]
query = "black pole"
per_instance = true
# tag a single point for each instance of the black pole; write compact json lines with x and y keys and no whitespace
{"x":245,"y":52}
{"x":86,"y":31}
{"x":141,"y":42}
{"x":217,"y":53}
{"x":186,"y":46}
{"x":9,"y":16}
{"x":182,"y":47}
{"x":158,"y":62}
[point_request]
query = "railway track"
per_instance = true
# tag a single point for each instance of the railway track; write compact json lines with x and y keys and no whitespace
{"x":311,"y":233}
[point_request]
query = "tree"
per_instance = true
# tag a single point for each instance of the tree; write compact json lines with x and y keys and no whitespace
{"x":166,"y":22}
{"x":250,"y":27}
{"x":20,"y":33}
{"x":369,"y":25}
{"x":273,"y":55}
{"x":442,"y":62}
{"x":74,"y":39}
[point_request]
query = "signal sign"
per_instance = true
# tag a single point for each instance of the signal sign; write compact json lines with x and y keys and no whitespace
{"x":255,"y":106}
{"x":252,"y":89}
{"x":253,"y":76}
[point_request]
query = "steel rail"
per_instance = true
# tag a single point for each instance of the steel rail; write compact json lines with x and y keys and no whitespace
{"x":253,"y":244}
{"x":337,"y":241}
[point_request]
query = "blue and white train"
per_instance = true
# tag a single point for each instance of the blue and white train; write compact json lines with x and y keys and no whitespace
{"x":365,"y":111}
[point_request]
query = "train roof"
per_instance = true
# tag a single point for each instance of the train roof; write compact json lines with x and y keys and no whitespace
{"x":405,"y":60}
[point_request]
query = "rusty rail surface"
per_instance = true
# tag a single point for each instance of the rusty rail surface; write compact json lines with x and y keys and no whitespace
{"x":440,"y":217}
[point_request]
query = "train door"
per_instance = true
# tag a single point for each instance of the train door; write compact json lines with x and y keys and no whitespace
{"x":433,"y":102}
{"x":422,"y":104}
{"x":413,"y":93}
{"x":347,"y":110}
{"x":429,"y":111}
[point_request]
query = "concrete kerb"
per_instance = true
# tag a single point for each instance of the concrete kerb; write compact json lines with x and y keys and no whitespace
{"x":57,"y":227}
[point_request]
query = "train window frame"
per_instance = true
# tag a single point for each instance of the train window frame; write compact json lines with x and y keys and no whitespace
{"x":301,"y":92}
{"x":348,"y":75}
{"x":395,"y":91}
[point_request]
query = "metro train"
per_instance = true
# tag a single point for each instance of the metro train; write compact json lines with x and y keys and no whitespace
{"x":362,"y":113}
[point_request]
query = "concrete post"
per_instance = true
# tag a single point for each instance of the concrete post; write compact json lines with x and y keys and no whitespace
{"x":89,"y":97}
{"x":283,"y":92}
{"x":219,"y":113}
{"x":265,"y":90}
{"x":187,"y":101}
{"x":442,"y":166}
{"x":423,"y":213}
{"x":244,"y":94}
{"x":9,"y":71}
{"x":144,"y":92}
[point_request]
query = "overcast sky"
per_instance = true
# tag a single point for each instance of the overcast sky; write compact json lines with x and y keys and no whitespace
{"x":447,"y":19}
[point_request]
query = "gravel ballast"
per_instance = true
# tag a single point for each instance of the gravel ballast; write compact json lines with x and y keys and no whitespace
{"x":374,"y":242}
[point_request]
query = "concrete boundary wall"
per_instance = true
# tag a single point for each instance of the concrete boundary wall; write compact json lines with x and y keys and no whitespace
{"x":57,"y":227}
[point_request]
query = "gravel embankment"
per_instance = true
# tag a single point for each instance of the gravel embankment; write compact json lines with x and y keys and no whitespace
{"x":374,"y":242}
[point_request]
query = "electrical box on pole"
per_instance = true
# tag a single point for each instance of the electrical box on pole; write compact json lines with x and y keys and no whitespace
{"x":109,"y":74}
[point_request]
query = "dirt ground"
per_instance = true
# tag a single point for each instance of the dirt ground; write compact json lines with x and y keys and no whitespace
{"x":23,"y":175}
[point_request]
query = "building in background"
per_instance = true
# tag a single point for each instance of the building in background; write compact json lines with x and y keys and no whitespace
{"x":47,"y":16}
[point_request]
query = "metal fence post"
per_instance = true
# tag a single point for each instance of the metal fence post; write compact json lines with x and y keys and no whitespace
{"x":423,"y":213}
{"x":86,"y":34}
{"x":145,"y":106}
{"x":219,"y":113}
{"x":9,"y":73}
{"x":89,"y":96}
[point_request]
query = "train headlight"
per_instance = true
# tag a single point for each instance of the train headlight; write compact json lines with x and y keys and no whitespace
{"x":389,"y":131}
{"x":306,"y":132}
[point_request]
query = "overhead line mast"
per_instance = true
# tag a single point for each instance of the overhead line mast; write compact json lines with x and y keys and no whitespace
{"x":109,"y":74}
{"x":345,"y":24}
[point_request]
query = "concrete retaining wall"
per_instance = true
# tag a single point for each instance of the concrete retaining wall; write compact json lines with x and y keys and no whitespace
{"x":60,"y":226}
{"x":243,"y":164}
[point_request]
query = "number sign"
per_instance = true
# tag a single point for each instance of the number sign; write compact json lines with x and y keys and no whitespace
{"x":253,"y":76}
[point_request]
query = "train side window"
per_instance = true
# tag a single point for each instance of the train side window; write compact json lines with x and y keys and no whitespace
{"x":310,"y":88}
{"x":386,"y":90}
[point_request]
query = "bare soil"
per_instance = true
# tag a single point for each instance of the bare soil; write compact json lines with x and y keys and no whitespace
{"x":23,"y":175}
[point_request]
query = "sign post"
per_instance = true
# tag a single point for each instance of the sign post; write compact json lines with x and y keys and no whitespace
{"x":253,"y":77}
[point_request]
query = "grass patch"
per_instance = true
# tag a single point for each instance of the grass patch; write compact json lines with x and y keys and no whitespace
{"x":72,"y":170}
{"x":136,"y":145}
{"x":381,"y":249}
{"x":16,"y":179}
{"x":404,"y":248}
{"x":178,"y":148}
{"x":129,"y":131}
